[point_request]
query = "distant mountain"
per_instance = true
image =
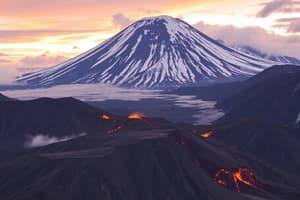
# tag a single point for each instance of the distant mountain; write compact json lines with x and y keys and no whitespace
{"x":222,"y":91}
{"x":155,"y":52}
{"x":257,"y":53}
{"x":272,"y":95}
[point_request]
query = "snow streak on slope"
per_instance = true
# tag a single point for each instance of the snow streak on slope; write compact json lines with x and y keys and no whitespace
{"x":153,"y":52}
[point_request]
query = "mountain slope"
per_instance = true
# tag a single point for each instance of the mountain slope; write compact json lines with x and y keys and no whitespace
{"x":273,"y":96}
{"x":52,"y":117}
{"x":153,"y":52}
{"x":275,"y":145}
{"x":150,"y":165}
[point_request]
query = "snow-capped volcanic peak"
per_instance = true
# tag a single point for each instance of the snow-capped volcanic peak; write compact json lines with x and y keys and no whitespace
{"x":153,"y":52}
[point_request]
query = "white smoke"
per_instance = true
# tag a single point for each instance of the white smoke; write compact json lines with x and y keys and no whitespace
{"x":44,"y":140}
{"x":298,"y":118}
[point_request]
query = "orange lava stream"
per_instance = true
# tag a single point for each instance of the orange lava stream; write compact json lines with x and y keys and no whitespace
{"x":207,"y":134}
{"x":245,"y":176}
{"x":242,"y":175}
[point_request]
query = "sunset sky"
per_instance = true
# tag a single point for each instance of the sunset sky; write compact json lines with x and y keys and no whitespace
{"x":36,"y":34}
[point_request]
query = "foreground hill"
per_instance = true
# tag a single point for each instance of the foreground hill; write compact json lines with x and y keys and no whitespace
{"x":145,"y":164}
{"x":136,"y":157}
{"x":273,"y":95}
{"x":278,"y":146}
{"x":52,"y":117}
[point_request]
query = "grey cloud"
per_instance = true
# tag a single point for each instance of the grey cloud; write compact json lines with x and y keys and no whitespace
{"x":43,"y":60}
{"x":294,"y":26}
{"x":288,"y":19}
{"x":273,"y":6}
{"x":121,"y":20}
{"x":254,"y":36}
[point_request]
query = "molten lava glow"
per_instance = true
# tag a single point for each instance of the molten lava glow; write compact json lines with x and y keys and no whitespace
{"x":245,"y":176}
{"x":135,"y":116}
{"x":106,"y":117}
{"x":242,"y":175}
{"x":207,"y":134}
{"x":116,"y":129}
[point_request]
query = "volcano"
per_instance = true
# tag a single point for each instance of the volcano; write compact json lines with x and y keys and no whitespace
{"x":155,"y":52}
{"x":144,"y":164}
{"x":126,"y":157}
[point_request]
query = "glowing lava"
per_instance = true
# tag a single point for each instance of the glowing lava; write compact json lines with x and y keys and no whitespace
{"x":242,"y":175}
{"x":245,"y":176}
{"x":116,"y":129}
{"x":106,"y":117}
{"x":207,"y":134}
{"x":136,"y":116}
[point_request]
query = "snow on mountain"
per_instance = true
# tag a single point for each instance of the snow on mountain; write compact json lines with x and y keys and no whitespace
{"x":276,"y":58}
{"x":154,"y":52}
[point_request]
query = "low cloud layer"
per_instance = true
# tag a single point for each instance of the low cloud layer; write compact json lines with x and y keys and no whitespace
{"x":44,"y":140}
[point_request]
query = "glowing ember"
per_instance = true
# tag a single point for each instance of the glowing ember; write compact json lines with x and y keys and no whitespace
{"x":106,"y":117}
{"x":242,"y":175}
{"x":222,"y":182}
{"x":135,"y":116}
{"x":116,"y":129}
{"x":207,"y":134}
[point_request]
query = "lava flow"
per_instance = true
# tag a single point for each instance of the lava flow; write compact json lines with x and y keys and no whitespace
{"x":136,"y":116}
{"x":105,"y":116}
{"x":116,"y":129}
{"x":242,"y":175}
{"x":206,"y":134}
